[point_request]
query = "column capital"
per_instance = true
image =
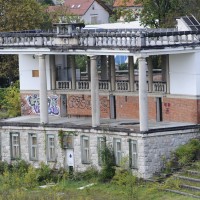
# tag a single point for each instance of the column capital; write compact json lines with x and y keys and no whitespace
{"x":92,"y":57}
{"x":41,"y":56}
{"x":141,"y":56}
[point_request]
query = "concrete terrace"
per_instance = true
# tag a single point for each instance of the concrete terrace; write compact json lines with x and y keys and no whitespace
{"x":125,"y":125}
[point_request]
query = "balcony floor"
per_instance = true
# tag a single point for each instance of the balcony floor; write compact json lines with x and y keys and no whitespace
{"x":86,"y":122}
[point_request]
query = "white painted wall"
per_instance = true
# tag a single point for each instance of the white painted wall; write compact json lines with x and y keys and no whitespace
{"x":26,"y":64}
{"x":102,"y":14}
{"x":181,"y":25}
{"x":184,"y":74}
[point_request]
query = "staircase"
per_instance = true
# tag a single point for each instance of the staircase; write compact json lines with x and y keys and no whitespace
{"x":186,"y":182}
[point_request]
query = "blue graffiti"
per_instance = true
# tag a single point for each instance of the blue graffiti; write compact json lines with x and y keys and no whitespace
{"x":34,"y":102}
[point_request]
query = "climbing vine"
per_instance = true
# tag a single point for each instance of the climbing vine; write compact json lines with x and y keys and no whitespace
{"x":62,"y":134}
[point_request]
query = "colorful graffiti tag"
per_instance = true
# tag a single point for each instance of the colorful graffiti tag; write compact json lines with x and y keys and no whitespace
{"x":31,"y":105}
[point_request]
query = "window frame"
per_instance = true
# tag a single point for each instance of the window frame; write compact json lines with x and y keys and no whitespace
{"x":117,"y":152}
{"x":133,"y":154}
{"x":15,"y":134}
{"x":85,"y":151}
{"x":31,"y":146}
{"x":51,"y":158}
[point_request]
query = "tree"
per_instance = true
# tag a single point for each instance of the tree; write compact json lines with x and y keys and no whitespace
{"x":162,"y":13}
{"x":19,"y":15}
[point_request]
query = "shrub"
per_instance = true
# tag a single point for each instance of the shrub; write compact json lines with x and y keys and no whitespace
{"x":108,"y":164}
{"x":11,"y":100}
{"x":188,"y":152}
{"x":90,"y":173}
{"x":44,"y":173}
{"x":184,"y":155}
{"x":31,"y":177}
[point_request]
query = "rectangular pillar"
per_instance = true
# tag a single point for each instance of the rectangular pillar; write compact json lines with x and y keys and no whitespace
{"x":150,"y":74}
{"x":94,"y":92}
{"x":53,"y":72}
{"x":131,"y":73}
{"x":143,"y":100}
{"x":44,"y":119}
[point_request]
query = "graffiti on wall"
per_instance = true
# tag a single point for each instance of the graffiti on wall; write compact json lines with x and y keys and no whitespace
{"x":84,"y":102}
{"x":79,"y":102}
{"x":31,"y":105}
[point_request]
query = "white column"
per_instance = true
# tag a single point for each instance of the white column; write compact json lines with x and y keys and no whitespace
{"x":143,"y":100}
{"x":131,"y":73}
{"x":150,"y":73}
{"x":43,"y":91}
{"x":53,"y":72}
{"x":94,"y":92}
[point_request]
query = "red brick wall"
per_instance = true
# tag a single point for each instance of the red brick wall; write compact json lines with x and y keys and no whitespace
{"x":180,"y":110}
{"x":80,"y":105}
{"x":127,"y":107}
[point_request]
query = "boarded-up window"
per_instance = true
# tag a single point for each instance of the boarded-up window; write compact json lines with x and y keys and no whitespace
{"x":35,"y":73}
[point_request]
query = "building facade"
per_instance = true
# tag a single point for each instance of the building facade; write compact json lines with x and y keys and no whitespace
{"x":51,"y":86}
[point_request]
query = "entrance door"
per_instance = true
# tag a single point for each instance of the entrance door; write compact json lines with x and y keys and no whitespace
{"x":159,"y":116}
{"x":70,"y":158}
{"x":112,"y":107}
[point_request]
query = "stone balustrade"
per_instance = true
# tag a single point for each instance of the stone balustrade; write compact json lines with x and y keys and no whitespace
{"x":63,"y":85}
{"x":104,"y":85}
{"x":122,"y":85}
{"x":158,"y":87}
{"x":83,"y":85}
{"x":126,"y":38}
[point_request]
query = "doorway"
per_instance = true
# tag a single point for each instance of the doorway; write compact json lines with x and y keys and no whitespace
{"x":159,"y":115}
{"x":112,"y":107}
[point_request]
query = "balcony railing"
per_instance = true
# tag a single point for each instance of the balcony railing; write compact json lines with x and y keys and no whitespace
{"x":83,"y":85}
{"x":63,"y":85}
{"x":104,"y":85}
{"x":122,"y":85}
{"x":158,"y":87}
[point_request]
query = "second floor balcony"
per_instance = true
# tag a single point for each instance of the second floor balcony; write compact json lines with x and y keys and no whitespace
{"x":120,"y":86}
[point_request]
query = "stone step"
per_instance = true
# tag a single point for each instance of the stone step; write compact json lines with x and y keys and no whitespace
{"x":190,"y":187}
{"x":194,"y":172}
{"x":183,"y":193}
{"x":187,"y":178}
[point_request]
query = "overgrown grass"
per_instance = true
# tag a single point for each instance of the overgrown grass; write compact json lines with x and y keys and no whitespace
{"x":21,"y":181}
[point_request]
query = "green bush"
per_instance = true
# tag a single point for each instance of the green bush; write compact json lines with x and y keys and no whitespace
{"x":91,"y":173}
{"x":108,"y":164}
{"x":188,"y":152}
{"x":183,"y":156}
{"x":11,"y":100}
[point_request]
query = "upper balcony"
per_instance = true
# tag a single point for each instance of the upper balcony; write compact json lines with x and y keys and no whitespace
{"x":75,"y":37}
{"x":120,"y":86}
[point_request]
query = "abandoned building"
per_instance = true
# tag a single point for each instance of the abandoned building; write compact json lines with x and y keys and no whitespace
{"x":67,"y":116}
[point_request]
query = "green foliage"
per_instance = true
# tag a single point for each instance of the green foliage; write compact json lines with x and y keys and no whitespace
{"x":61,"y":136}
{"x":108,"y":164}
{"x":188,"y":153}
{"x":44,"y":173}
{"x":90,"y":174}
{"x":21,"y":15}
{"x":183,"y":156}
{"x":81,"y":62}
{"x":162,"y":13}
{"x":123,"y":66}
{"x":11,"y":100}
{"x":31,"y":177}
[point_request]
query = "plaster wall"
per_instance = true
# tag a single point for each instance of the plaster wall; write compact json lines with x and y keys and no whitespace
{"x":184,"y":74}
{"x":99,"y":11}
{"x":27,"y":63}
